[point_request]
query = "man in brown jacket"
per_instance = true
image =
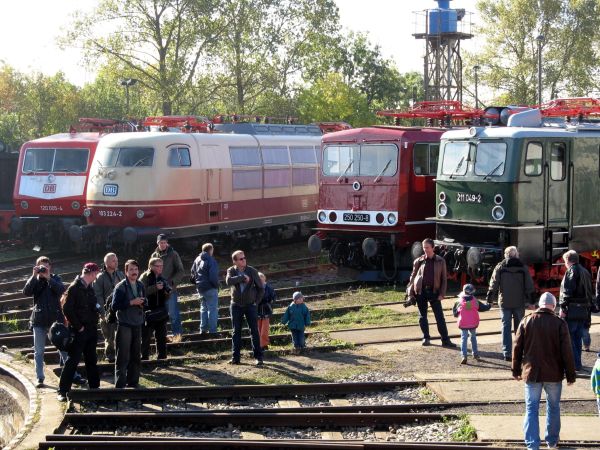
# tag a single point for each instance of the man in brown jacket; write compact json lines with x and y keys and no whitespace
{"x":542,"y":356}
{"x":428,"y":284}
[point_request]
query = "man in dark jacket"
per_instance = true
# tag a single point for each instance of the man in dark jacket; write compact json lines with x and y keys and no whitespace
{"x":576,"y":298}
{"x":82,"y":311}
{"x":156,"y":315}
{"x":246,"y":291}
{"x":173,"y":272}
{"x":511,"y":284}
{"x":542,"y":356}
{"x":205,"y":273}
{"x":103,"y":287}
{"x":128,"y":301}
{"x":427,"y":286}
{"x":46,"y":289}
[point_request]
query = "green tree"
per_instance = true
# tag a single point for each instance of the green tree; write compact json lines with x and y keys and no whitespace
{"x":161,"y":43}
{"x":508,"y":59}
{"x":331,"y":99}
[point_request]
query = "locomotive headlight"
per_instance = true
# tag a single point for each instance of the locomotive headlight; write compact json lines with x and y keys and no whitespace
{"x":498,"y":213}
{"x":139,"y":214}
{"x":379,"y":218}
{"x":332,"y":216}
{"x":498,"y":199}
{"x":24,"y":204}
{"x":75,"y":205}
{"x":87,"y":212}
{"x":442,"y":196}
{"x":391,"y":218}
{"x":111,"y":175}
{"x":442,"y":210}
{"x":322,"y":216}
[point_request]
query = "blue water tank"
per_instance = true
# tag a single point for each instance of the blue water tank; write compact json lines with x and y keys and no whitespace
{"x":443,"y":19}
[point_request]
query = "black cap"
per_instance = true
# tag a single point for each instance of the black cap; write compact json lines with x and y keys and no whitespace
{"x":161,"y":237}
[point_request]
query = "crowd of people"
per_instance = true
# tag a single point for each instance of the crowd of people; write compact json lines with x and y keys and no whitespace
{"x":133,"y":307}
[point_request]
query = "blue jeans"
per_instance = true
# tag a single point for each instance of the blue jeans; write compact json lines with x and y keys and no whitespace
{"x":531,"y":427}
{"x":238,"y":312}
{"x":174,"y":313}
{"x":464,"y":341}
{"x":39,"y":345}
{"x":576,"y":328}
{"x":508,"y":316}
{"x":209,"y":310}
{"x":585,"y":337}
{"x":298,"y":338}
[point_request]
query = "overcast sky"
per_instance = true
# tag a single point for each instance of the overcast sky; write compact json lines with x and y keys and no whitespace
{"x":28,"y":30}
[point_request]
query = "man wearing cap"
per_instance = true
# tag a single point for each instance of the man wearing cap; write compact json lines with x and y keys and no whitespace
{"x":246,"y":291}
{"x":104,"y":285}
{"x":576,"y":298}
{"x":173,"y":272}
{"x":82,"y":311}
{"x":128,"y":301}
{"x":542,"y":357}
{"x":512,"y":286}
{"x":427,"y":286}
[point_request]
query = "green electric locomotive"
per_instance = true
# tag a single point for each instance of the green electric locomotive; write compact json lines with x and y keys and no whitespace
{"x":534,"y":184}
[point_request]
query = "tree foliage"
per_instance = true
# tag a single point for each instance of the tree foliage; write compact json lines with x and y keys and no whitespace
{"x":570,"y":58}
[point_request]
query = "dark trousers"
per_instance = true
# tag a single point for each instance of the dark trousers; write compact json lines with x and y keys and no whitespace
{"x":238,"y":312}
{"x":129,"y":356}
{"x":430,"y":297}
{"x":83,"y":343}
{"x":298,"y":338}
{"x":576,"y":328}
{"x":159,"y":330}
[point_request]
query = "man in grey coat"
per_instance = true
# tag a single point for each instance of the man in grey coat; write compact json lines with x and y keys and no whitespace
{"x":511,"y":284}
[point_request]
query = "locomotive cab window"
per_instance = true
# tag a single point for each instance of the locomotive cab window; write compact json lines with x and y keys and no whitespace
{"x":341,"y":160}
{"x":378,"y":160}
{"x":557,"y":161}
{"x":68,"y":160}
{"x":425,"y":157}
{"x":533,"y":159}
{"x":179,"y":157}
{"x":38,"y":160}
{"x":456,"y":158}
{"x":490,"y":159}
{"x":128,"y":157}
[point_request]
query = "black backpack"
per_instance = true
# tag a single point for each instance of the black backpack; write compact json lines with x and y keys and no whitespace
{"x":60,"y":336}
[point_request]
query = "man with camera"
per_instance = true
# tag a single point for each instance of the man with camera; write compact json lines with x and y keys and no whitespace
{"x":82,"y":311}
{"x":128,"y":301}
{"x":156,"y":314}
{"x":427,"y":285}
{"x":104,"y":286}
{"x":46,"y":289}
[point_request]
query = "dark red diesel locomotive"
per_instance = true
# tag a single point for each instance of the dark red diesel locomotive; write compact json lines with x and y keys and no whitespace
{"x":376,"y":190}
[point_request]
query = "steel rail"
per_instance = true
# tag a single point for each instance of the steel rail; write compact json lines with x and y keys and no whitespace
{"x":64,"y":442}
{"x":237,"y":391}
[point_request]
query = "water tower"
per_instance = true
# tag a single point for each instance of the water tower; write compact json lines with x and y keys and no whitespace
{"x":443,"y":30}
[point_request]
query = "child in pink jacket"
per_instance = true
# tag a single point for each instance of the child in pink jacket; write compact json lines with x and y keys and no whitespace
{"x":467,"y":310}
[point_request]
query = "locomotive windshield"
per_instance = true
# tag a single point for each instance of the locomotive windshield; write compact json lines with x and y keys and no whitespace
{"x":127,"y":157}
{"x":364,"y":160}
{"x":489,"y":159}
{"x":70,"y":160}
{"x":456,"y":157}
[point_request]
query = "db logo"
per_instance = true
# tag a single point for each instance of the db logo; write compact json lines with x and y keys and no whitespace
{"x":49,"y":189}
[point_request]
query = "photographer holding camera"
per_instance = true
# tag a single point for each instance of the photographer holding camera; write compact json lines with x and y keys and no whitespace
{"x":129,"y":301}
{"x":156,"y":314}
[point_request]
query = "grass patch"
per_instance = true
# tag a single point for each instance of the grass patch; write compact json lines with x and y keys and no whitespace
{"x":464,"y":431}
{"x":9,"y":325}
{"x":427,"y":395}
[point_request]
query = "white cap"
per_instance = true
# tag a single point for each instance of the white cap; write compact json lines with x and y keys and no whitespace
{"x":547,"y":299}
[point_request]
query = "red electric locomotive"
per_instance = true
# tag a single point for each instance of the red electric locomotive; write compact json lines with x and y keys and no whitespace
{"x":50,"y":186}
{"x":376,"y":190}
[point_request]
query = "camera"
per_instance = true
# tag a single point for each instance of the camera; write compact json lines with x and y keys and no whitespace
{"x":410,"y":302}
{"x":40,"y":269}
{"x":166,"y":286}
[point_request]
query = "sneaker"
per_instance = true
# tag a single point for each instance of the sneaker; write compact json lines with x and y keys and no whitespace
{"x":586,"y":349}
{"x":259,"y":363}
{"x":463,"y":360}
{"x":233,"y":361}
{"x":426,"y":342}
{"x":176,"y":338}
{"x":476,"y":357}
{"x":552,"y":445}
{"x":449,"y":344}
{"x":61,"y":397}
{"x":40,"y":383}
